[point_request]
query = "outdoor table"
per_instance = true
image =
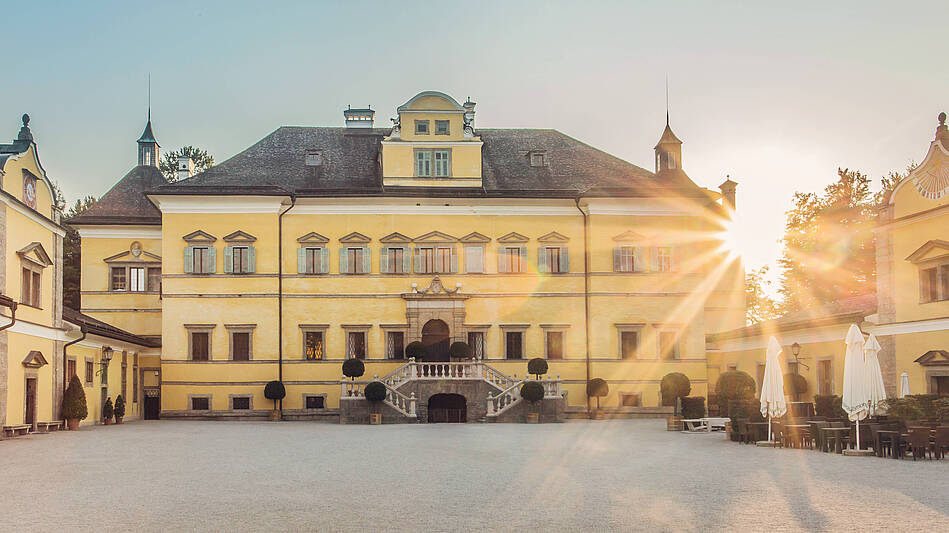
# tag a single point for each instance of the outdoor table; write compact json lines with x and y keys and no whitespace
{"x":797,"y":430}
{"x":895,"y":438}
{"x":833,"y":436}
{"x":715,"y":423}
{"x":761,"y":429}
{"x":696,"y":424}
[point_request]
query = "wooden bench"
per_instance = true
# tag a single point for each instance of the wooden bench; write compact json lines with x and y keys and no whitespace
{"x":13,"y":431}
{"x":46,"y":427}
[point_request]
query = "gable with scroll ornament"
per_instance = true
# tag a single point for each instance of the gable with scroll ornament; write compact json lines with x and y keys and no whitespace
{"x":932,"y":177}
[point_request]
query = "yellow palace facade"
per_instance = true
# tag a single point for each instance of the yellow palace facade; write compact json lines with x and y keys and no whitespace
{"x":320,"y":244}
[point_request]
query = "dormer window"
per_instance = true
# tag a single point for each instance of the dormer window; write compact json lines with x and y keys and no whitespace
{"x":433,"y":163}
{"x":538,"y":158}
{"x":314,"y":158}
{"x":441,"y":127}
{"x":421,"y":127}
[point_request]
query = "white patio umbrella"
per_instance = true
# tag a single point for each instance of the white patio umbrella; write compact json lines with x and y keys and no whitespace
{"x":877,"y":392}
{"x":904,"y":385}
{"x":773,"y":403}
{"x":856,"y":385}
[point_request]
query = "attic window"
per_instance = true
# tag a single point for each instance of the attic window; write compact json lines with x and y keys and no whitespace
{"x":314,"y":158}
{"x":538,"y":158}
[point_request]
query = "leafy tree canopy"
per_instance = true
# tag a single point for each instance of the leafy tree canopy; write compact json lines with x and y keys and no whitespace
{"x":169,"y":162}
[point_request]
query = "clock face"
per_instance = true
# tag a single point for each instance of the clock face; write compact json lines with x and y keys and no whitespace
{"x":29,"y":192}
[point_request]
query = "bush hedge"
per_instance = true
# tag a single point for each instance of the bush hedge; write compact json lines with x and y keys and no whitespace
{"x":829,"y":406}
{"x":916,"y":407}
{"x":794,"y":384}
{"x":74,"y":400}
{"x":693,"y":406}
{"x":674,"y":385}
{"x":375,"y":391}
{"x":532,"y":391}
{"x":119,"y":406}
{"x":353,"y":368}
{"x":537,"y":366}
{"x":417,"y":350}
{"x":733,"y":385}
{"x":596,"y":388}
{"x":459,"y":350}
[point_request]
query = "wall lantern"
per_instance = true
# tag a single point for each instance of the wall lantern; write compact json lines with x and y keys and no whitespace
{"x":106,"y":357}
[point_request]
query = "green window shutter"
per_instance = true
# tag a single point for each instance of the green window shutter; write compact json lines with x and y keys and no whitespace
{"x":189,"y":259}
{"x":301,"y":260}
{"x":639,"y":262}
{"x":418,"y":261}
{"x":251,"y":259}
{"x":366,"y":261}
{"x":406,"y":260}
{"x":324,"y":261}
{"x":212,"y":260}
{"x":502,"y":264}
{"x":343,"y":261}
{"x":454,"y":261}
{"x":542,"y":259}
{"x":564,"y":259}
{"x":228,"y":259}
{"x":523,"y":259}
{"x":654,"y":259}
{"x":617,"y":259}
{"x":384,"y":260}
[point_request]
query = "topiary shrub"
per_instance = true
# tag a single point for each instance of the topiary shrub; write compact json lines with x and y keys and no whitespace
{"x":275,"y":391}
{"x":795,"y":385}
{"x":74,"y":401}
{"x":353,"y":368}
{"x":375,"y":392}
{"x":532,"y":391}
{"x":733,"y":385}
{"x":597,"y":388}
{"x":107,"y":410}
{"x":417,"y":350}
{"x":119,"y":407}
{"x":673,"y":386}
{"x":459,"y":350}
{"x":537,"y":366}
{"x":693,"y":407}
{"x":829,"y":406}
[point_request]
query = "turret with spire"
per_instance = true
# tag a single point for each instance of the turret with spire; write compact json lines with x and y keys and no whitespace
{"x":147,"y":145}
{"x":668,"y":150}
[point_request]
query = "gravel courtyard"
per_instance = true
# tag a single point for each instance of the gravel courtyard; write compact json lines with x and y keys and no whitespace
{"x":626,"y":475}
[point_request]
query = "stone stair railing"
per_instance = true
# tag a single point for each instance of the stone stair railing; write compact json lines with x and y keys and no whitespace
{"x":511,"y":396}
{"x":466,"y":370}
{"x":356,"y":390}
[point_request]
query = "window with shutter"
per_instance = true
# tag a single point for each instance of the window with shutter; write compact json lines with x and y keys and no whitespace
{"x":136,"y":279}
{"x":200,"y":345}
{"x":554,"y":345}
{"x":474,"y":259}
{"x":629,"y":344}
{"x":240,"y":346}
{"x":513,"y":345}
{"x":154,"y":279}
{"x":624,"y":259}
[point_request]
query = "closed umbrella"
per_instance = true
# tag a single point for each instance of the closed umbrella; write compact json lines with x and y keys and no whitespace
{"x":856,"y":384}
{"x":877,"y":393}
{"x":773,"y":403}
{"x":904,"y":385}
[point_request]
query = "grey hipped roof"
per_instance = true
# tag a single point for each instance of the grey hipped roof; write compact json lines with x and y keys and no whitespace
{"x":351,"y":166}
{"x":125,"y":203}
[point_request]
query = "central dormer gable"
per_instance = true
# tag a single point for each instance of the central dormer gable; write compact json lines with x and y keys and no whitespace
{"x":432,"y":144}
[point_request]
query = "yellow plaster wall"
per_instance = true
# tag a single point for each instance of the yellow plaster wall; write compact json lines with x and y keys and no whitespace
{"x":13,"y":181}
{"x":84,"y":351}
{"x":906,"y":240}
{"x":909,"y":347}
{"x":398,"y":160}
{"x":18,"y":346}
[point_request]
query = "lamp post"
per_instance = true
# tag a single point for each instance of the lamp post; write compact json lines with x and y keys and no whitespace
{"x":796,"y":350}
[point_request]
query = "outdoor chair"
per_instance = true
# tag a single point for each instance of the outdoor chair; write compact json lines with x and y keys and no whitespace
{"x":817,"y":440}
{"x":778,"y":430}
{"x":743,"y":435}
{"x":941,"y":444}
{"x":918,"y":442}
{"x":867,"y":438}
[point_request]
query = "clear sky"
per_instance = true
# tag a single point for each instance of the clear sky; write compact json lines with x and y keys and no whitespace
{"x":777,"y":96}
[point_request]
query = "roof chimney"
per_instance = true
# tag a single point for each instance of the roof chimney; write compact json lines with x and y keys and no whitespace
{"x":358,"y":118}
{"x":185,"y":167}
{"x":728,"y":192}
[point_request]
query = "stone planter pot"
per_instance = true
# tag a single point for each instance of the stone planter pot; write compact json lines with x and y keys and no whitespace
{"x":118,"y":419}
{"x":275,"y":416}
{"x":598,"y":414}
{"x":72,"y":424}
{"x":674,"y":423}
{"x":107,"y":421}
{"x":375,"y":418}
{"x":533,"y":418}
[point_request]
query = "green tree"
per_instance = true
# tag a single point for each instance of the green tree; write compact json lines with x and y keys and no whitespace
{"x":169,"y":163}
{"x":759,"y":304}
{"x":72,"y":255}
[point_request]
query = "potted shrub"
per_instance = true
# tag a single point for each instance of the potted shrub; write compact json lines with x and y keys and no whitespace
{"x":275,"y":391}
{"x":732,"y":387}
{"x":673,"y":386}
{"x":693,"y":406}
{"x":107,"y":412}
{"x":597,"y":388}
{"x":353,"y":368}
{"x":459,"y":350}
{"x":533,"y":392}
{"x":537,"y":366}
{"x":416,"y":350}
{"x":375,"y":393}
{"x":119,"y":410}
{"x":74,"y":404}
{"x":795,"y":385}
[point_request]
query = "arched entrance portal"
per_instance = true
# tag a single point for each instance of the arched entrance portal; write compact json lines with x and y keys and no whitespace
{"x":447,"y":408}
{"x":435,"y":338}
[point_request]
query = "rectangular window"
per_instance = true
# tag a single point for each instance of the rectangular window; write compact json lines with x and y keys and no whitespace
{"x":315,"y":402}
{"x":944,"y":281}
{"x":928,"y":285}
{"x":313,"y":258}
{"x":476,"y":341}
{"x":240,"y":346}
{"x":70,"y":369}
{"x":441,"y":127}
{"x":759,"y":376}
{"x":554,"y":345}
{"x":553,"y":259}
{"x":200,"y":345}
{"x":629,"y":400}
{"x":37,"y":283}
{"x":200,"y":260}
{"x":513,"y":345}
{"x":240,"y":257}
{"x":825,"y":376}
{"x":90,"y":371}
{"x":538,"y":159}
{"x":118,"y":279}
{"x":357,"y":344}
{"x":313,"y":349}
{"x":474,"y":259}
{"x":395,"y":345}
{"x":421,"y":127}
{"x":426,"y":260}
{"x":30,"y":284}
{"x":200,"y":404}
{"x":136,"y":279}
{"x":629,"y":344}
{"x":668,"y":345}
{"x":442,"y":163}
{"x":625,"y":259}
{"x":240,"y":403}
{"x":354,"y":261}
{"x":396,"y":260}
{"x":443,"y":260}
{"x":512,"y":259}
{"x":423,"y":163}
{"x":154,"y":279}
{"x":664,"y":258}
